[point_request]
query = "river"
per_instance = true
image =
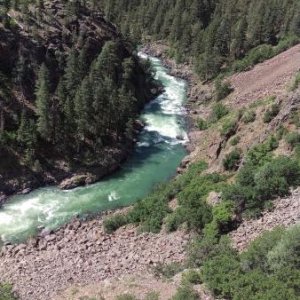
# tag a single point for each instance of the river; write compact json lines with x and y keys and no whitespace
{"x":158,"y":153}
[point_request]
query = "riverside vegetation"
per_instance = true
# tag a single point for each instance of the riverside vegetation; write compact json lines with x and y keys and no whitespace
{"x":216,"y":37}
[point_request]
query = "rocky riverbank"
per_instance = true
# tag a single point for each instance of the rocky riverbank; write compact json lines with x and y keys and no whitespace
{"x":81,"y":252}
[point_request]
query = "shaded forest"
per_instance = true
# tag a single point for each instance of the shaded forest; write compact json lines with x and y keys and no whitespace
{"x":71,"y":88}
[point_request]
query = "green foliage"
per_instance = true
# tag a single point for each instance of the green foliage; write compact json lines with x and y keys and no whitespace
{"x":296,"y":82}
{"x":152,"y":296}
{"x":222,"y":216}
{"x":151,"y":211}
{"x":263,"y":178}
{"x":269,"y":269}
{"x":271,"y":113}
{"x":235,"y":140}
{"x":286,"y":252}
{"x":167,"y":270}
{"x":218,"y":112}
{"x":6,"y":292}
{"x":192,"y":277}
{"x":295,"y":118}
{"x":111,"y":224}
{"x":202,"y":124}
{"x":232,"y":160}
{"x":185,"y":292}
{"x":229,"y":127}
{"x":126,"y":297}
{"x":249,"y":117}
{"x":43,"y":102}
{"x":222,"y":89}
{"x":293,"y":139}
{"x":263,"y":52}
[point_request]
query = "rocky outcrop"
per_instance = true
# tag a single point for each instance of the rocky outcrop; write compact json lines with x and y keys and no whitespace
{"x":81,"y":252}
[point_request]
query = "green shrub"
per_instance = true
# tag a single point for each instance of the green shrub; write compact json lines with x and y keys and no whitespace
{"x":232,"y":160}
{"x":229,"y":128}
{"x":6,"y":292}
{"x":263,"y":52}
{"x":256,"y":184}
{"x":152,"y":296}
{"x":256,"y":256}
{"x":293,"y":139}
{"x":222,"y":89}
{"x":126,"y":297}
{"x":222,"y":216}
{"x":113,"y":223}
{"x":281,"y":132}
{"x":296,"y":82}
{"x":175,"y":219}
{"x":221,"y":272}
{"x":286,"y":253}
{"x":235,"y":140}
{"x":268,"y":269}
{"x":275,"y":178}
{"x":249,"y":117}
{"x":262,"y":153}
{"x":271,"y":113}
{"x":202,"y":124}
{"x":167,"y":270}
{"x":218,"y":112}
{"x":185,"y":292}
{"x":192,"y":277}
{"x":295,"y":118}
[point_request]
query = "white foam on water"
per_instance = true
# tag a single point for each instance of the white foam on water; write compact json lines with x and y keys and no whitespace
{"x":143,"y":144}
{"x":113,"y":196}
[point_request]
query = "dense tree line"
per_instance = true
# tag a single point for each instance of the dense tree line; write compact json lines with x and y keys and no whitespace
{"x":212,"y":33}
{"x":83,"y":97}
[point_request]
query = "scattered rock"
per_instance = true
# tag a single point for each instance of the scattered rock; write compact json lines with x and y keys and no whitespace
{"x":286,"y":212}
{"x":81,"y":252}
{"x":214,"y":198}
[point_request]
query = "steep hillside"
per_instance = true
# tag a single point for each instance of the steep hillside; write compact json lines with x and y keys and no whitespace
{"x":70,"y":91}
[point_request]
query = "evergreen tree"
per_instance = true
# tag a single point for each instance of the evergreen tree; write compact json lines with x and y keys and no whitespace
{"x":43,"y":102}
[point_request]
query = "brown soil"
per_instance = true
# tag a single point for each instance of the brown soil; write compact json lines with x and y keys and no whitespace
{"x":139,"y":285}
{"x":271,"y":77}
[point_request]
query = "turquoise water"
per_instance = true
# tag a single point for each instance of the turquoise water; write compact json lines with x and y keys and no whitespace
{"x":155,"y":159}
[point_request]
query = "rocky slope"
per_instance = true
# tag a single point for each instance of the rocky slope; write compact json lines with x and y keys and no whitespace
{"x":81,"y":253}
{"x":286,"y":212}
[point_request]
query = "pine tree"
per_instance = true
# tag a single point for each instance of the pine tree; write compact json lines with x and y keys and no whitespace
{"x":43,"y":102}
{"x":83,"y":101}
{"x":72,"y":79}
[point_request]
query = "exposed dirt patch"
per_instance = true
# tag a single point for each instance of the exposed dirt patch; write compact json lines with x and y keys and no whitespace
{"x":139,"y":285}
{"x":271,"y":77}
